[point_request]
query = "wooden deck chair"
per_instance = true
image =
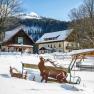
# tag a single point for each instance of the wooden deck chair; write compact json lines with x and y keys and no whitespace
{"x":15,"y":73}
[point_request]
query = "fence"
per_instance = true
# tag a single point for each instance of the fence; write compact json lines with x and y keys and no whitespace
{"x":62,"y":57}
{"x":10,"y":53}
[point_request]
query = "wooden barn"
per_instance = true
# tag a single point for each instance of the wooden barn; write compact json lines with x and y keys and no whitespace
{"x":17,"y":40}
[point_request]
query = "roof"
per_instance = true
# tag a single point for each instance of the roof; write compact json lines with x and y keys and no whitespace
{"x":54,"y":36}
{"x":45,"y":48}
{"x":11,"y":33}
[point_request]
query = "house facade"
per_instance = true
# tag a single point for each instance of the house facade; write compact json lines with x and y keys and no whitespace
{"x":17,"y":40}
{"x":56,"y":42}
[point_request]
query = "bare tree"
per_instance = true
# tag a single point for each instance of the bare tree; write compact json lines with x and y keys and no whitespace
{"x":83,"y":23}
{"x":8,"y":8}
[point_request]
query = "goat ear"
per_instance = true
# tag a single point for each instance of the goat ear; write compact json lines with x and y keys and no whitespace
{"x":10,"y":67}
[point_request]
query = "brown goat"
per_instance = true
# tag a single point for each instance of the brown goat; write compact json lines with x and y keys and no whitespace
{"x":60,"y":75}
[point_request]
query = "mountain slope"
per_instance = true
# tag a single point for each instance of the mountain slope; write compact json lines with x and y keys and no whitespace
{"x":36,"y":24}
{"x":44,"y":25}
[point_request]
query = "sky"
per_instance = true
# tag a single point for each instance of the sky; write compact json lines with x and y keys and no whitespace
{"x":57,"y":9}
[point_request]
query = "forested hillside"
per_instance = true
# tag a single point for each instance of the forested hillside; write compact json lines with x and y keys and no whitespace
{"x":37,"y":27}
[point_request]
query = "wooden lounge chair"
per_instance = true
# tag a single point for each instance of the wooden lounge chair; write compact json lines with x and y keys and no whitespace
{"x":15,"y":73}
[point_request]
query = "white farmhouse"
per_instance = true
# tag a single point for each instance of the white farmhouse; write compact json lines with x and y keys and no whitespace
{"x":56,"y":42}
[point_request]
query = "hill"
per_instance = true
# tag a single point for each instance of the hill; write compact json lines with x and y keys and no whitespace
{"x":36,"y":25}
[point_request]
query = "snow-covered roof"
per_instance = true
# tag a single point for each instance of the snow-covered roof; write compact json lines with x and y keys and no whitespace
{"x":55,"y":36}
{"x":11,"y":33}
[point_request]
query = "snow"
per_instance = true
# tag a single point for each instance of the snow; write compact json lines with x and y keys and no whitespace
{"x":31,"y":15}
{"x":20,"y":45}
{"x":11,"y":33}
{"x":34,"y":29}
{"x":58,"y":36}
{"x":26,"y":29}
{"x":34,"y":14}
{"x":12,"y":85}
{"x":80,"y":51}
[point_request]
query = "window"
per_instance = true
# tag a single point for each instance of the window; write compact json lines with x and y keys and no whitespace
{"x":72,"y":44}
{"x":54,"y":46}
{"x":51,"y":45}
{"x":0,"y":46}
{"x":59,"y":45}
{"x":20,"y":40}
{"x":51,"y":38}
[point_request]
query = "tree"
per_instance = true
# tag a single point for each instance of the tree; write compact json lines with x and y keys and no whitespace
{"x":83,"y":23}
{"x":8,"y":8}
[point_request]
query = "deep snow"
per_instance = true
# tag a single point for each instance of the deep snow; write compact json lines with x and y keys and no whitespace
{"x":11,"y":85}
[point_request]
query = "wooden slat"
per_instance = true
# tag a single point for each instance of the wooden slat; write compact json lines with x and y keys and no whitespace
{"x":33,"y":66}
{"x":26,"y":65}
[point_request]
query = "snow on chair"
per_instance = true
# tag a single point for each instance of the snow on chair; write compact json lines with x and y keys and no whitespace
{"x":15,"y":73}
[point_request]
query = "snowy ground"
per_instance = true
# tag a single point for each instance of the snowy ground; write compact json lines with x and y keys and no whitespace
{"x":9,"y":85}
